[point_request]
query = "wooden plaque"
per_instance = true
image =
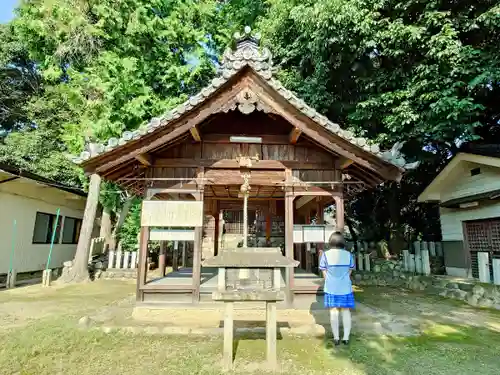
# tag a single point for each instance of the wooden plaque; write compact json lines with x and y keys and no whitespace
{"x":172,"y":214}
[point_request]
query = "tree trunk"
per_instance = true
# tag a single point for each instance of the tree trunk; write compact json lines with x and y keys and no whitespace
{"x":119,"y":222}
{"x":78,"y":271}
{"x":396,"y":231}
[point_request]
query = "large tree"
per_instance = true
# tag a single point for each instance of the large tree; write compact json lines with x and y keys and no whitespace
{"x":422,"y":72}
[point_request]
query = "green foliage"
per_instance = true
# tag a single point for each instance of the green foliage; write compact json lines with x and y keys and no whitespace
{"x":129,"y":232}
{"x":427,"y":73}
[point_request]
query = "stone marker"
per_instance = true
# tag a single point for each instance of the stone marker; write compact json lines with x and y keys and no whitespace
{"x":432,"y":249}
{"x":111,"y":259}
{"x":367,"y":262}
{"x":133,"y":262}
{"x":360,"y":262}
{"x":426,"y":264}
{"x":418,"y":263}
{"x":439,"y":249}
{"x":118,"y":263}
{"x":11,"y":279}
{"x":46,"y":277}
{"x":411,"y":263}
{"x":483,"y":265}
{"x":406,"y":260}
{"x":126,"y":259}
{"x":496,"y":271}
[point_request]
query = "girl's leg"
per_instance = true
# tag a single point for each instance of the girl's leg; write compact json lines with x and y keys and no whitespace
{"x":334,"y":321}
{"x":346,"y":322}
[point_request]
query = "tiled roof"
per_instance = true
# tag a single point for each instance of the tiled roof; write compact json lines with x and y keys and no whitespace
{"x":247,"y":53}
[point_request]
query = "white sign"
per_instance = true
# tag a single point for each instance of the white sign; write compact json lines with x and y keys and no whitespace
{"x":172,"y":214}
{"x":312,"y":233}
{"x":171,"y":235}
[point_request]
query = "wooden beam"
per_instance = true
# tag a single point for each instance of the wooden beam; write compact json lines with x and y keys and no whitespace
{"x":233,"y":164}
{"x":344,"y":163}
{"x":304,"y":200}
{"x":144,"y":159}
{"x":195,"y":133}
{"x":294,"y":135}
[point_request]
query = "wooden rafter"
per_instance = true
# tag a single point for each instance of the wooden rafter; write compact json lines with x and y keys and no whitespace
{"x":294,"y":135}
{"x":144,"y":159}
{"x":195,"y":133}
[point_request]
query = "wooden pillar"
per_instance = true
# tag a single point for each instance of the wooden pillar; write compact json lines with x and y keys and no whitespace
{"x":320,"y":213}
{"x":198,"y":238}
{"x":339,"y":210}
{"x":184,"y":254}
{"x":162,"y":258}
{"x":268,"y":226}
{"x":142,"y":266}
{"x":175,"y":256}
{"x":289,"y":197}
{"x":217,"y":230}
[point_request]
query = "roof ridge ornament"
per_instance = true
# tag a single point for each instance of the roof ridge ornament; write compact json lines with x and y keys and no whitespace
{"x":247,"y":52}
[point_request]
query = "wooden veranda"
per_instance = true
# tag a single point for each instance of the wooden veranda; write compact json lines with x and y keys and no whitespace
{"x":244,"y":129}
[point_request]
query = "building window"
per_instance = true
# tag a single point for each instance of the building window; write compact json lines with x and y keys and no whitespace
{"x":71,"y":230}
{"x":475,"y":171}
{"x":44,"y":228}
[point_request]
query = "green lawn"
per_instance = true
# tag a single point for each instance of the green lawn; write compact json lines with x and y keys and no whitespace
{"x":52,"y":344}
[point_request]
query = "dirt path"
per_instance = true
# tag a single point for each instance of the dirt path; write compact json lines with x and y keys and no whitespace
{"x":427,"y":309}
{"x":21,"y":306}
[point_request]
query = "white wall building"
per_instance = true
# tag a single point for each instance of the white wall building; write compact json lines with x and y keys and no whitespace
{"x":468,"y":192}
{"x":29,"y":204}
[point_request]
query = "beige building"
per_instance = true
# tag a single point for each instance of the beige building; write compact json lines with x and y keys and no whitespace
{"x":468,"y":193}
{"x":29,"y":205}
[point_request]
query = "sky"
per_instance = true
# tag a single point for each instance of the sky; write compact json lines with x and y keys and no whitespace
{"x":7,"y":10}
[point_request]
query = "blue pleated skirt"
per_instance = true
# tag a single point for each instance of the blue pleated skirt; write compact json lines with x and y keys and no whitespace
{"x":345,"y":301}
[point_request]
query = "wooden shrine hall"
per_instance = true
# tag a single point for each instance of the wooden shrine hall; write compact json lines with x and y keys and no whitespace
{"x":244,"y":135}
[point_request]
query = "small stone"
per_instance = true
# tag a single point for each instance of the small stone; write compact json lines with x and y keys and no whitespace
{"x":478,"y":290}
{"x":443,"y":293}
{"x":358,"y":278}
{"x":391,"y":266}
{"x":376,"y":268}
{"x":496,"y":307}
{"x":452,"y":286}
{"x":472,"y":300}
{"x":84,"y":322}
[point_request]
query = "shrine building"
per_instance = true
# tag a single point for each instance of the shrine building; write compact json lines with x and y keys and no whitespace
{"x":244,"y":162}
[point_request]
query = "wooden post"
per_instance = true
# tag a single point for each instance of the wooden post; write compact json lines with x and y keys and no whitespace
{"x":268,"y":225}
{"x":198,"y":238}
{"x":216,"y":231}
{"x":289,"y":244}
{"x":175,"y":257}
{"x":228,"y":336}
{"x":339,"y":213}
{"x":271,"y":334}
{"x":142,"y":266}
{"x":162,"y":258}
{"x":321,"y":213}
{"x":184,"y":254}
{"x":308,"y":257}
